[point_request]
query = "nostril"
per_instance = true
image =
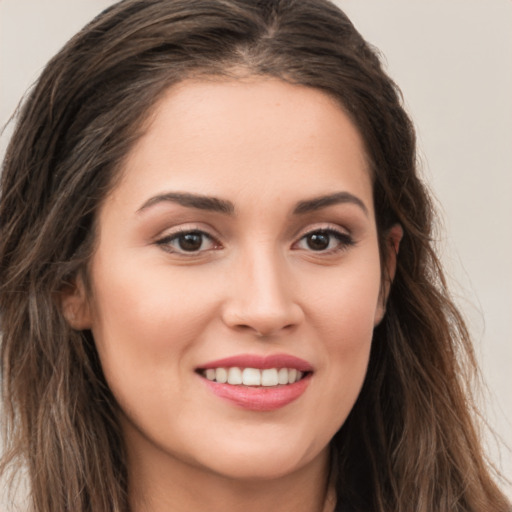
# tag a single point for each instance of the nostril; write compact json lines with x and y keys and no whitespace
{"x":269,"y":331}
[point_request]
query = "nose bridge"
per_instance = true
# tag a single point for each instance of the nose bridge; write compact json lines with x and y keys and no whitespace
{"x":262,"y":297}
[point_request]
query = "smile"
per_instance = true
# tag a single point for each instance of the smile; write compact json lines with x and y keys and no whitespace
{"x":257,"y":383}
{"x":253,"y":376}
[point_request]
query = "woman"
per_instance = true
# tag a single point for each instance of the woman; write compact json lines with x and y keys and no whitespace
{"x":218,"y":290}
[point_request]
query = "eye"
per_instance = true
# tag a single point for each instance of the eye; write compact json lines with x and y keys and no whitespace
{"x":325,"y":240}
{"x":193,"y":241}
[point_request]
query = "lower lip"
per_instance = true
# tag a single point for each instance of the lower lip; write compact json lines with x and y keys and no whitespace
{"x":259,"y":398}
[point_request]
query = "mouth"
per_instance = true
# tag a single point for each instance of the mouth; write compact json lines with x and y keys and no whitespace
{"x":257,"y":383}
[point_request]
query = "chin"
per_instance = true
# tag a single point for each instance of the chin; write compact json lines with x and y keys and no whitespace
{"x":269,"y":465}
{"x":268,"y":456}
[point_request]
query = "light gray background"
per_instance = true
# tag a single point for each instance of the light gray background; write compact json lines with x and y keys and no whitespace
{"x":453,"y":62}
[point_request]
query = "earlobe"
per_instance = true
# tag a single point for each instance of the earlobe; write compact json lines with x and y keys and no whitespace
{"x":75,"y":305}
{"x":393,"y":239}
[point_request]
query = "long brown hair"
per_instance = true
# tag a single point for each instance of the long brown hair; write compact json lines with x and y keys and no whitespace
{"x":410,"y":442}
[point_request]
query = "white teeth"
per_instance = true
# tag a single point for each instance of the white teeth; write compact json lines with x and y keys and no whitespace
{"x":253,"y":376}
{"x":234,"y":376}
{"x":282,"y":376}
{"x":269,"y":377}
{"x":221,"y":375}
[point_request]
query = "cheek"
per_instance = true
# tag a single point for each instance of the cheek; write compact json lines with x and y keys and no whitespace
{"x":350,"y":319}
{"x":147,"y":303}
{"x":343,"y":316}
{"x":345,"y":303}
{"x":145,"y":329}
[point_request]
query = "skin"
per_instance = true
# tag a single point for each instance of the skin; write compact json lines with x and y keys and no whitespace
{"x":254,"y":286}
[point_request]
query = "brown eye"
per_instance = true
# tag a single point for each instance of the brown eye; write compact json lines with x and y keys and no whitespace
{"x":188,"y":242}
{"x":318,"y":241}
{"x":325,"y":240}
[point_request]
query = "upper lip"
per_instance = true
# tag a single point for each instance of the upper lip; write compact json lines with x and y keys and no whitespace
{"x":260,"y":362}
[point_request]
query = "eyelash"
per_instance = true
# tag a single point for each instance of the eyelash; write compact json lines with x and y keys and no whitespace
{"x":344,"y":241}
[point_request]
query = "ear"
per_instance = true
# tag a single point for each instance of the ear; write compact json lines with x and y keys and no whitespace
{"x":75,"y":306}
{"x":391,"y":248}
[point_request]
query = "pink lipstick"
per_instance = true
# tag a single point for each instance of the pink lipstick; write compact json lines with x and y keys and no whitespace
{"x":258,"y":383}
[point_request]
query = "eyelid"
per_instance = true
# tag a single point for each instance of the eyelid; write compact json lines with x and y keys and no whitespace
{"x":323,"y":226}
{"x":186,"y":227}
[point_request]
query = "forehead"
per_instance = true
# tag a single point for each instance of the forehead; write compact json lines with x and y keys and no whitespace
{"x":253,"y":136}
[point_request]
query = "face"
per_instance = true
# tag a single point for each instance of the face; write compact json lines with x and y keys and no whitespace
{"x":240,"y":244}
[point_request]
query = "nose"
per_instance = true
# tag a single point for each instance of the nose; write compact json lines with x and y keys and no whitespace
{"x":262,"y":298}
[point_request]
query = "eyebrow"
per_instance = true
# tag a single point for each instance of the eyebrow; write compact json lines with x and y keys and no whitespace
{"x":214,"y":204}
{"x":320,"y":202}
{"x":198,"y":201}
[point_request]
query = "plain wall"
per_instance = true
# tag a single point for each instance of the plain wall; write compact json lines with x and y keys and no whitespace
{"x":453,"y":62}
